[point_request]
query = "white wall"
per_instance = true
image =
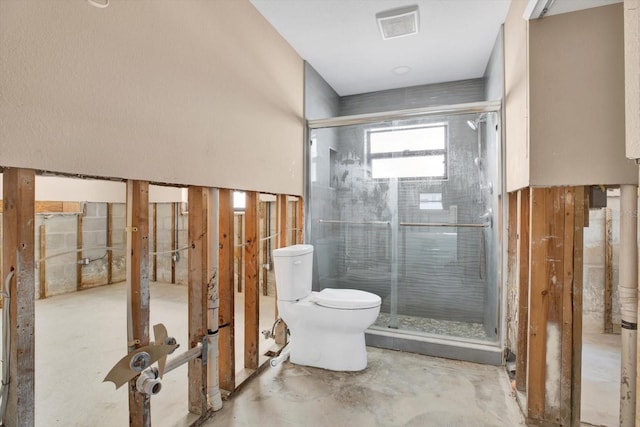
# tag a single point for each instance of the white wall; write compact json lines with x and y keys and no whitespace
{"x":191,"y":92}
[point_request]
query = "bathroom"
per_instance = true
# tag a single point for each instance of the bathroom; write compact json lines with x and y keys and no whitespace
{"x":419,"y":224}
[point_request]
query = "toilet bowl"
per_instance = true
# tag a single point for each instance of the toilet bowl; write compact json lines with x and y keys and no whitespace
{"x":327,"y":327}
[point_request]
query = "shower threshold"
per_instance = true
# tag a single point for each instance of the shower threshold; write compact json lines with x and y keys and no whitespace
{"x":450,"y":328}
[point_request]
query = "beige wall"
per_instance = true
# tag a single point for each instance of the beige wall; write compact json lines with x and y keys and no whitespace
{"x":516,"y":97}
{"x":186,"y":92}
{"x":632,"y":76}
{"x":576,"y":76}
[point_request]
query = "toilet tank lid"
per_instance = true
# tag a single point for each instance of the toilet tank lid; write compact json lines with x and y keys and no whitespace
{"x":347,"y":299}
{"x":294,"y":250}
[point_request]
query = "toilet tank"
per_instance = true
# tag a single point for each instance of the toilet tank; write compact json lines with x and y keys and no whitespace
{"x":293,"y":266}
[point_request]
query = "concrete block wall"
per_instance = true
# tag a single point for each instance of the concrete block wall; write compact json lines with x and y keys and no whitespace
{"x":165,"y":229}
{"x":594,"y":266}
{"x":61,"y":246}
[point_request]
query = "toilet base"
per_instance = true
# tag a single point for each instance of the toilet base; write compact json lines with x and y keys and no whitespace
{"x":335,"y":352}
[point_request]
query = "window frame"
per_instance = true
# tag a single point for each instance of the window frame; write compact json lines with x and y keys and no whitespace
{"x":408,"y":153}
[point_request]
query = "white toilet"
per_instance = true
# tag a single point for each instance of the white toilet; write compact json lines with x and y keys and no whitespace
{"x":327,"y":327}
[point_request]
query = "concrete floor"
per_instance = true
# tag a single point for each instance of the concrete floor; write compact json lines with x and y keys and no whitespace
{"x":81,"y":335}
{"x":396,"y":389}
{"x":600,"y":379}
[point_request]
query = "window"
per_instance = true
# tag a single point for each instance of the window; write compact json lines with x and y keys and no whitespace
{"x":408,"y":152}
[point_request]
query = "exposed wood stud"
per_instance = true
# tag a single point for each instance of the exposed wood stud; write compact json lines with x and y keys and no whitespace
{"x":512,"y":269}
{"x":79,"y":228}
{"x":138,"y":295}
{"x":566,"y":362}
{"x":174,"y":243}
{"x":155,"y":242}
{"x":581,"y":208}
{"x":300,"y":221}
{"x":264,"y":215}
{"x":43,"y":261}
{"x":538,"y":306}
{"x":198,"y":280}
{"x":55,"y":207}
{"x":281,"y":214}
{"x":226,"y":349}
{"x":608,"y":272}
{"x":109,"y":243}
{"x":251,"y":286}
{"x":18,"y":255}
{"x":522,"y":277}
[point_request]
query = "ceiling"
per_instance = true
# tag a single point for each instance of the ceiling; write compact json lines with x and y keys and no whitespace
{"x":341,"y":40}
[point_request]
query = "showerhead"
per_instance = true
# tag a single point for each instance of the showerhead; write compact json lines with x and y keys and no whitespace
{"x":474,"y":124}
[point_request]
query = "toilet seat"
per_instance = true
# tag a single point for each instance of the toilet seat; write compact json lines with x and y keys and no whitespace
{"x":346,"y":299}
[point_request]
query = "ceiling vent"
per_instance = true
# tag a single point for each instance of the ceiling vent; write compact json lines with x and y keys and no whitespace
{"x":398,"y":22}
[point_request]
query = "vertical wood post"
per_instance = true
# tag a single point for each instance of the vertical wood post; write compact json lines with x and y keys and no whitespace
{"x":18,"y":255}
{"x":109,"y":243}
{"x":251,"y":287}
{"x":226,"y":323}
{"x":43,"y":261}
{"x":281,"y":209}
{"x":300,"y":221}
{"x":555,"y":305}
{"x":512,"y":270}
{"x":198,"y":280}
{"x":138,"y":290}
{"x":608,"y":272}
{"x":155,"y":243}
{"x":80,"y":218}
{"x":174,"y":243}
{"x":523,"y":287}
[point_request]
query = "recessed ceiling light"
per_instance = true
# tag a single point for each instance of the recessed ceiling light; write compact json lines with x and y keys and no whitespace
{"x":398,"y":22}
{"x":403,"y":69}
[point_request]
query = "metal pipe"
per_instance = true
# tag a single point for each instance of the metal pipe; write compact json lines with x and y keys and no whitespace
{"x":628,"y":291}
{"x":360,"y":119}
{"x":442,"y":224}
{"x":183,"y":358}
{"x":335,"y":221}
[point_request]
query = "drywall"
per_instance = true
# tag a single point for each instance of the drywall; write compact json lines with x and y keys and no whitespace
{"x":576,"y":75}
{"x":63,"y":189}
{"x":190,"y":92}
{"x":632,"y":76}
{"x":516,"y":103}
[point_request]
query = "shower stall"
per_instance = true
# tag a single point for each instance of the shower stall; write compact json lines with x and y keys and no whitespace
{"x":406,"y":205}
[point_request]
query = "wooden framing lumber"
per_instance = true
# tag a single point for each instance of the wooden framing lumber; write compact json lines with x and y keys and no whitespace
{"x":555,"y":306}
{"x":154,"y":273}
{"x":608,"y":272}
{"x":300,"y":221}
{"x":251,"y":286}
{"x":79,"y":233}
{"x":512,"y":269}
{"x":522,"y":279}
{"x":109,"y":243}
{"x":581,"y":209}
{"x":174,"y":243}
{"x":43,"y":261}
{"x":197,"y":299}
{"x":18,"y":255}
{"x":281,"y":214}
{"x":138,"y":290}
{"x":226,"y":323}
{"x":55,"y":207}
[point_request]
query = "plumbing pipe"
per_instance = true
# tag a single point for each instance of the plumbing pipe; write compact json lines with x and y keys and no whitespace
{"x":628,"y":291}
{"x":284,"y":355}
{"x":213,"y":303}
{"x":148,"y":382}
{"x":183,"y":358}
{"x":6,"y":343}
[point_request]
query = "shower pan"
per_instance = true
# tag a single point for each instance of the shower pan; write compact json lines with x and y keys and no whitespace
{"x":404,"y":205}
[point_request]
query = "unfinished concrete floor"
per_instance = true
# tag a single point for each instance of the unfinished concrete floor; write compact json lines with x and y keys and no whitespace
{"x":600,"y":379}
{"x":81,"y":335}
{"x":396,"y":389}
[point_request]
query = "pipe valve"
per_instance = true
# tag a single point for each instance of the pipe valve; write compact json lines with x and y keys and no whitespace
{"x":148,"y":382}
